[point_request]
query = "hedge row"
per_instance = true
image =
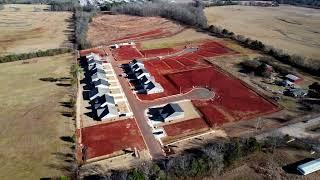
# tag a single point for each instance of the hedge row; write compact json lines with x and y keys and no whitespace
{"x":209,"y":160}
{"x":23,"y":56}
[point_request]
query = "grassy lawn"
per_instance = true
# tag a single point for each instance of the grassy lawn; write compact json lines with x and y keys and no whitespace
{"x":33,"y":118}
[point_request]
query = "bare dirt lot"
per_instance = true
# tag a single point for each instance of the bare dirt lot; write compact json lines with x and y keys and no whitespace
{"x":184,"y":37}
{"x":293,"y":29}
{"x":36,"y":123}
{"x":105,"y":29}
{"x":26,"y":28}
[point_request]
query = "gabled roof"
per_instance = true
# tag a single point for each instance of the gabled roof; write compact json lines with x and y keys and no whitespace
{"x":137,"y":67}
{"x":133,"y":62}
{"x":141,"y":71}
{"x":93,"y":61}
{"x":93,"y":56}
{"x":170,"y":109}
{"x":107,"y":99}
{"x":146,"y":79}
{"x":150,"y":85}
{"x":96,"y":92}
{"x":94,"y":66}
{"x":98,"y":75}
{"x":101,"y":82}
{"x":97,"y":69}
{"x":108,"y":111}
{"x":103,"y":101}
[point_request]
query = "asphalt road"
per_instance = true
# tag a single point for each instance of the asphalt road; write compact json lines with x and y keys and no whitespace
{"x":137,"y":108}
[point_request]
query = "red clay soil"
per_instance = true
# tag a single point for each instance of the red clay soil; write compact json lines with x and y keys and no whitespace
{"x":156,"y":33}
{"x":161,"y":68}
{"x":185,"y":127}
{"x":111,"y":137}
{"x":92,"y":50}
{"x":157,"y":52}
{"x":126,"y":53}
{"x":233,"y":101}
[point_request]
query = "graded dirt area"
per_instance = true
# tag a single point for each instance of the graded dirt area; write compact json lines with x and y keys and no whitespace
{"x":294,"y":29}
{"x":113,"y":137}
{"x":184,"y":37}
{"x":36,"y":123}
{"x":107,"y":29}
{"x":27,"y":28}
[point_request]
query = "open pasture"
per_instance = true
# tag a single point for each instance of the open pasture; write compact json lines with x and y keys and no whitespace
{"x":35,"y":117}
{"x":27,"y":28}
{"x":293,"y":29}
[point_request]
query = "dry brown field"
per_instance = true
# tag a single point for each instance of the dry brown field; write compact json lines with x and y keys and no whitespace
{"x":35,"y":118}
{"x":293,"y":29}
{"x":26,"y":28}
{"x":105,"y":28}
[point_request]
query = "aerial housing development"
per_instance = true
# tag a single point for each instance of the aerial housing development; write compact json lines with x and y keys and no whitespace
{"x":179,"y":89}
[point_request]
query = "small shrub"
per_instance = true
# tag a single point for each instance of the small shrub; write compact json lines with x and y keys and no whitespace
{"x":136,"y":174}
{"x":24,"y":56}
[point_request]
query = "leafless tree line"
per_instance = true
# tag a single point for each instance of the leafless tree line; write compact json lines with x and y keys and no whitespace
{"x":185,"y":14}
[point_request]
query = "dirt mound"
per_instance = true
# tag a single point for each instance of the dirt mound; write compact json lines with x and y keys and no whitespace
{"x":106,"y":29}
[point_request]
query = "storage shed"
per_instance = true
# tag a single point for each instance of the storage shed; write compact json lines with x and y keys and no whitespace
{"x":309,"y":167}
{"x":293,"y":78}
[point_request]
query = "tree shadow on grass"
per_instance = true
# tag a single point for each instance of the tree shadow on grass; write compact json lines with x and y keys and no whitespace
{"x":67,"y":104}
{"x":63,"y":84}
{"x":67,"y":114}
{"x":52,"y":79}
{"x":67,"y":139}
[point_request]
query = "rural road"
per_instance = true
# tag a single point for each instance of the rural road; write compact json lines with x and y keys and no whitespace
{"x":297,"y":129}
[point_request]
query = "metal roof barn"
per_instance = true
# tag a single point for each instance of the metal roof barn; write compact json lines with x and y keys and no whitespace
{"x":309,"y":167}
